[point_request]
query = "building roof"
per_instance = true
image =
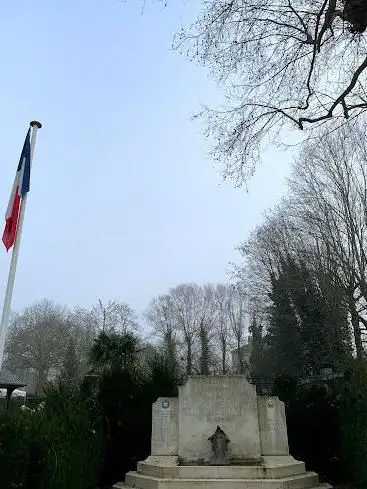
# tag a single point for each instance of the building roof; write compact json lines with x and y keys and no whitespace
{"x":9,"y":381}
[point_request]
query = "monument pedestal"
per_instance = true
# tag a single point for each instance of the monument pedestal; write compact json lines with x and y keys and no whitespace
{"x":256,"y":449}
{"x":274,"y":473}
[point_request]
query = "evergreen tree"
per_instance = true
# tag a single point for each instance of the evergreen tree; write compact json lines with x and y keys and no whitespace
{"x":260,"y":367}
{"x":283,"y":337}
{"x":114,"y":351}
{"x":308,"y":321}
{"x":311,"y":312}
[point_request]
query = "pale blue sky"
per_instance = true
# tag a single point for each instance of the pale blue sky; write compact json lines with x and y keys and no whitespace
{"x":124,"y":200}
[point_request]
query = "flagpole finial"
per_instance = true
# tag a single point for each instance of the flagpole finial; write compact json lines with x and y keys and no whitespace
{"x":36,"y":124}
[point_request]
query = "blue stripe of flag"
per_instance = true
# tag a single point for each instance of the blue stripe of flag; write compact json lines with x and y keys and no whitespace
{"x":25,"y":159}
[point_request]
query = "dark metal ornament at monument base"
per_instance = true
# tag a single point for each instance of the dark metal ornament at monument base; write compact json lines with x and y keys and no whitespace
{"x":219,"y":441}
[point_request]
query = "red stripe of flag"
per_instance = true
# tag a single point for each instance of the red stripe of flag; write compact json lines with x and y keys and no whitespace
{"x":19,"y":190}
{"x":11,"y":223}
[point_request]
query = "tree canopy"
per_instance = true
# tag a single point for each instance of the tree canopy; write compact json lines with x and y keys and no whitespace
{"x":284,"y":64}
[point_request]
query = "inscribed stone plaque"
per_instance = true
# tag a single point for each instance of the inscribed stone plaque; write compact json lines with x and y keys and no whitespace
{"x":165,"y":426}
{"x":273,"y":426}
{"x":229,"y":402}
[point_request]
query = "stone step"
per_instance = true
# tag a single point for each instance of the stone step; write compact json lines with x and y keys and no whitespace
{"x":122,"y":485}
{"x":307,"y":480}
{"x":320,"y":486}
{"x":292,"y":467}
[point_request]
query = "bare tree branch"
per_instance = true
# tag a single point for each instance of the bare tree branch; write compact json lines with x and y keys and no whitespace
{"x":285,"y":64}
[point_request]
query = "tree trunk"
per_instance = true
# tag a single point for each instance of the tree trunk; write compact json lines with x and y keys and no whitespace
{"x":41,"y":380}
{"x":356,"y":329}
{"x":224,"y":357}
{"x":241,"y":368}
{"x":170,"y":348}
{"x":204,"y":354}
{"x":189,"y":357}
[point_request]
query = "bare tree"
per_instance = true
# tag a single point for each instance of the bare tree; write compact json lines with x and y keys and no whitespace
{"x":186,"y":314}
{"x":115,"y":316}
{"x":186,"y":319}
{"x":323,"y":222}
{"x":237,"y":311}
{"x":206,"y":320}
{"x":160,"y":316}
{"x":330,"y":190}
{"x":301,"y":308}
{"x":83,"y":329}
{"x":208,"y":317}
{"x":37,"y":340}
{"x":263,"y":253}
{"x":223,"y":331}
{"x":285,"y":64}
{"x":71,"y":368}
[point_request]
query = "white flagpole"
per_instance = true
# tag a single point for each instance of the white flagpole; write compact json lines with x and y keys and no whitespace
{"x":14,"y":259}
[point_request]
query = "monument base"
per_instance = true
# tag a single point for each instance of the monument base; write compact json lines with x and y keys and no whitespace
{"x":218,"y":434}
{"x":274,"y":472}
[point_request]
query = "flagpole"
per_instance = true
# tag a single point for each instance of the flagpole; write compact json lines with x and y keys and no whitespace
{"x":5,"y":317}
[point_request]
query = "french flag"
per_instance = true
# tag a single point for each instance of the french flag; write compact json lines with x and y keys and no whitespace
{"x":19,"y":190}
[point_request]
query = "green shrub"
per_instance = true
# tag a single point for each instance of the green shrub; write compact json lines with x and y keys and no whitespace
{"x":71,"y":440}
{"x":14,"y":453}
{"x":313,"y":430}
{"x":327,"y":427}
{"x":56,"y":445}
{"x":354,"y":423}
{"x":126,"y":396}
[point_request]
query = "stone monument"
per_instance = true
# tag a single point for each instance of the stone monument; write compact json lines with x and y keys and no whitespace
{"x":219,"y":434}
